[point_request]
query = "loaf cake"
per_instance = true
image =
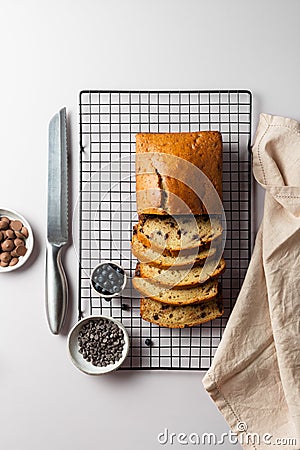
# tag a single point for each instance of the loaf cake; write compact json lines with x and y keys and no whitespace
{"x":169,"y":168}
{"x":174,"y":234}
{"x":165,"y":261}
{"x":175,"y":296}
{"x":180,"y":316}
{"x":177,"y":237}
{"x":181,"y":278}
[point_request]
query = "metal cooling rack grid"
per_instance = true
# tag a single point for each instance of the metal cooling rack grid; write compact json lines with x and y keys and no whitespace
{"x":109,"y":121}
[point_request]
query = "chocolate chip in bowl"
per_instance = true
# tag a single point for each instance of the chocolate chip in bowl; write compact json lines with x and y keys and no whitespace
{"x":16,"y":240}
{"x":98,"y":344}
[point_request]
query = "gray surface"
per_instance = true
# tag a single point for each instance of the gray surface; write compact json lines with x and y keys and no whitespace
{"x":45,"y":402}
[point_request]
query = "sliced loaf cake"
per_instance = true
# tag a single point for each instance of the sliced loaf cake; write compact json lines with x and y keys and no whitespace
{"x":158,"y":259}
{"x":181,"y":278}
{"x":173,"y":234}
{"x":172,"y":316}
{"x":197,"y":294}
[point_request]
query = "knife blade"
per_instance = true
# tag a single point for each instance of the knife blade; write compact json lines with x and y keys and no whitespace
{"x":57,"y":222}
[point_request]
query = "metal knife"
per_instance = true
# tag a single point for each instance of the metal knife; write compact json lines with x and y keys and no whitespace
{"x":57,"y":225}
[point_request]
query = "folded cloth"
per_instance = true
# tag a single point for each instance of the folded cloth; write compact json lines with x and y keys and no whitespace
{"x":255,"y":375}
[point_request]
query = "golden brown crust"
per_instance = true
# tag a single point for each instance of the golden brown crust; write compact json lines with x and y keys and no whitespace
{"x":202,"y":149}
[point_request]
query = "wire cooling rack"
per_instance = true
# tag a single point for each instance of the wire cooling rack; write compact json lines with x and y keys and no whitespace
{"x":109,"y":121}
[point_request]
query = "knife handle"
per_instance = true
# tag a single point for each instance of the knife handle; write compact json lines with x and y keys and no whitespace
{"x":56,"y":288}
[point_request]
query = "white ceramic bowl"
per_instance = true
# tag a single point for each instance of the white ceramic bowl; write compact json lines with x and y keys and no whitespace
{"x":121,"y":287}
{"x":77,"y":358}
{"x":14,"y":215}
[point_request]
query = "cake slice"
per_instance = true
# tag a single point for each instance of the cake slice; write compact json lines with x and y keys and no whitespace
{"x":172,"y":316}
{"x":172,"y":234}
{"x":181,"y":278}
{"x":201,"y":293}
{"x":158,"y":259}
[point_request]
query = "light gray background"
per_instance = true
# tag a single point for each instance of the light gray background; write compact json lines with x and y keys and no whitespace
{"x":51,"y":50}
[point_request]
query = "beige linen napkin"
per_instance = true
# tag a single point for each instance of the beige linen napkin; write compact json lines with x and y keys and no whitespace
{"x":255,"y":375}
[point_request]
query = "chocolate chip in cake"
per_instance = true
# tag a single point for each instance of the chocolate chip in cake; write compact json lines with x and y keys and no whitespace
{"x":143,"y":219}
{"x":220,"y":305}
